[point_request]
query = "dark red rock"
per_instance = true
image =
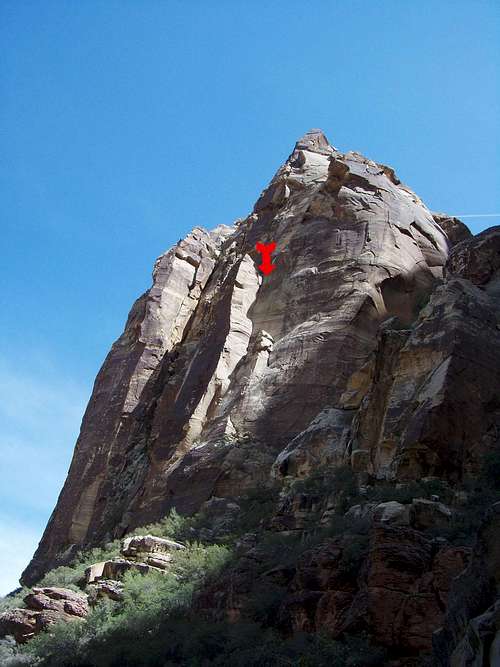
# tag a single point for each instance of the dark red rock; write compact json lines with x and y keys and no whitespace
{"x":44,"y":606}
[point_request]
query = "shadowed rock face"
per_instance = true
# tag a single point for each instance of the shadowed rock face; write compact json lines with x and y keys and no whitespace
{"x":455,"y":229}
{"x":433,"y":407}
{"x":220,"y":372}
{"x":471,"y":630}
{"x":398,"y":597}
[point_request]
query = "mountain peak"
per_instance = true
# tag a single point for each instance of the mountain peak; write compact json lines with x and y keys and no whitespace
{"x":314,"y":140}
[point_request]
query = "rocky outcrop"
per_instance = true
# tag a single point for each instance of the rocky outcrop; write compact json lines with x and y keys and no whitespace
{"x":471,"y":630}
{"x":454,"y":228}
{"x":139,"y":553}
{"x":478,"y":260}
{"x":433,"y":407}
{"x":44,"y":607}
{"x":156,"y":323}
{"x":214,"y":353}
{"x":372,"y":348}
{"x":391,"y":583}
{"x":105,"y":588}
{"x":140,"y":547}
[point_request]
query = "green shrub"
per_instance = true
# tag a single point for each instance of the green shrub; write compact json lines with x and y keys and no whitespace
{"x":264,"y":602}
{"x":256,"y":505}
{"x":64,"y":576}
{"x":72,"y":575}
{"x":340,"y":481}
{"x":10,"y":656}
{"x":155,"y":624}
{"x":112,"y":628}
{"x":62,"y":645}
{"x":405,"y":493}
{"x":173,"y":526}
{"x":11,"y":601}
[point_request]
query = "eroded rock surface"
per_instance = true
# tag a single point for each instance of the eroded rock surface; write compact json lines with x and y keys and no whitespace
{"x":213,"y":352}
{"x":139,"y":553}
{"x":471,"y":629}
{"x":454,"y":228}
{"x":44,"y":607}
{"x":373,"y":346}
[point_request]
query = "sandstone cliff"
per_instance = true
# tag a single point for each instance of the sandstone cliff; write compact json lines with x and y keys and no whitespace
{"x":372,"y":348}
{"x":214,"y":352}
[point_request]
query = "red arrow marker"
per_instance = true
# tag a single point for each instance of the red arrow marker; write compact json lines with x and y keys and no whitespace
{"x":266,"y":249}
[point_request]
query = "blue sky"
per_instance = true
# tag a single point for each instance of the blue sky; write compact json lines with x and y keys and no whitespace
{"x":124,"y":124}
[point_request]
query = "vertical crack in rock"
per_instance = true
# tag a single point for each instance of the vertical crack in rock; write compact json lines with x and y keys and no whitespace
{"x":155,"y":325}
{"x":245,"y":288}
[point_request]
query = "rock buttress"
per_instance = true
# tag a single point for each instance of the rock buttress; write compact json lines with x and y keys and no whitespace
{"x":219,"y":368}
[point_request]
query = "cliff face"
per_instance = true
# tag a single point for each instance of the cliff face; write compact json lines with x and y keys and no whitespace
{"x":224,"y":379}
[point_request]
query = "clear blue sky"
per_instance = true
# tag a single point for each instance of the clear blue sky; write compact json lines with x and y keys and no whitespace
{"x":124,"y":124}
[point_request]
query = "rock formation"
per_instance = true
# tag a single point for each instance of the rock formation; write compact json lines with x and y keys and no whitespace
{"x":44,"y":607}
{"x":373,"y":345}
{"x":48,"y":605}
{"x":213,"y":352}
{"x":471,"y":631}
{"x":143,"y":553}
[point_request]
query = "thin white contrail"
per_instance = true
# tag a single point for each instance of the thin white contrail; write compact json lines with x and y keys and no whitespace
{"x":476,"y":215}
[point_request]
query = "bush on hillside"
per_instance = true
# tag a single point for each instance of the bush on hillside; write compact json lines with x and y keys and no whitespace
{"x":149,"y":600}
{"x":173,"y":526}
{"x":13,"y":600}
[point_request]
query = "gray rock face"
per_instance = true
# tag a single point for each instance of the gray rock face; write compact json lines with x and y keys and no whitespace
{"x":105,"y":588}
{"x":432,"y":408}
{"x":220,"y":370}
{"x":393,"y":513}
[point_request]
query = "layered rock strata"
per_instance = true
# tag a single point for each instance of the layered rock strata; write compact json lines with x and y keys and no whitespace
{"x":373,"y":345}
{"x":44,"y":607}
{"x":219,"y":371}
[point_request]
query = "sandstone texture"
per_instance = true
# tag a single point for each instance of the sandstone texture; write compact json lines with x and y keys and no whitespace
{"x":373,"y":347}
{"x":471,"y":631}
{"x":139,"y":553}
{"x":44,"y":607}
{"x":398,"y":596}
{"x":214,"y":352}
{"x":455,"y":229}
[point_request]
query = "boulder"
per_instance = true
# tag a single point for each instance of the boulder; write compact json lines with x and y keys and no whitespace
{"x":18,"y":623}
{"x":117,"y":567}
{"x":94,"y":572}
{"x":44,"y":607}
{"x":360,"y":512}
{"x":140,"y":553}
{"x":106,"y":588}
{"x":429,"y":514}
{"x":139,"y":545}
{"x":58,"y":599}
{"x":481,"y":642}
{"x":392,"y":512}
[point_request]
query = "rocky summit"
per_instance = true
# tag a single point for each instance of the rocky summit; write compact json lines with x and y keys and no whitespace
{"x":349,"y":400}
